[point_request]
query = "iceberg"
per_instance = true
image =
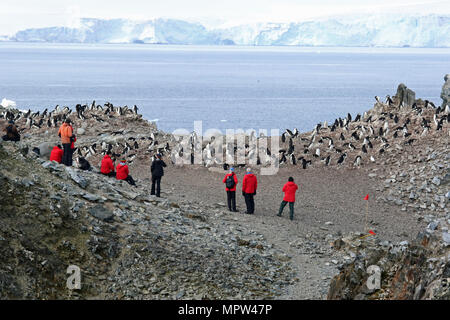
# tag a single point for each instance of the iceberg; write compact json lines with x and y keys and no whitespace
{"x":8,"y":104}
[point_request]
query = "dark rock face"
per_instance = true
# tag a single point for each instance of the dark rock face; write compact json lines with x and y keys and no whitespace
{"x":405,"y":95}
{"x":416,"y":271}
{"x":445,"y":93}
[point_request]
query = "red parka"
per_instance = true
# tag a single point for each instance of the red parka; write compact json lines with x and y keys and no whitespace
{"x":249,"y":184}
{"x":289,"y":190}
{"x":122,"y":172}
{"x":56,"y":154}
{"x":107,"y":165}
{"x":235,"y":182}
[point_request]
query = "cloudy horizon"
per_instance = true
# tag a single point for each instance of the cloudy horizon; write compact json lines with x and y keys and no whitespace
{"x":17,"y":15}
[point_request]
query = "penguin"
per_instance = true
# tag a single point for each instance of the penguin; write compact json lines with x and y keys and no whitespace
{"x":364,"y":149}
{"x":389,"y":101}
{"x":317,"y":153}
{"x":357,"y":161}
{"x":342,"y":158}
{"x":317,"y":128}
{"x":290,"y":133}
{"x":135,"y":109}
{"x":305,"y":162}
{"x":283,"y":158}
{"x":293,"y":160}
{"x":341,"y":137}
{"x":326,"y":161}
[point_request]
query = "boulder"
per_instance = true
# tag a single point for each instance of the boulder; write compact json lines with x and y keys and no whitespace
{"x":101,"y":213}
{"x":45,"y":149}
{"x":80,"y":180}
{"x":405,"y":95}
{"x":445,"y":93}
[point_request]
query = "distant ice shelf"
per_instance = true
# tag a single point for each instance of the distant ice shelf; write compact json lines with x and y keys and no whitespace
{"x":387,"y":30}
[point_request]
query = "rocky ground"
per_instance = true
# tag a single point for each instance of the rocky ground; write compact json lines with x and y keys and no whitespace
{"x":186,"y":245}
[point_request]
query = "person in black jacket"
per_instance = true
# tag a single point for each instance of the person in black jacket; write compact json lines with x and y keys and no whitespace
{"x":157,"y":173}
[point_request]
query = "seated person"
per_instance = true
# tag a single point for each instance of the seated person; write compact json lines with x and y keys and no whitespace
{"x":11,"y":132}
{"x":123,"y":173}
{"x":57,"y":154}
{"x":107,"y":166}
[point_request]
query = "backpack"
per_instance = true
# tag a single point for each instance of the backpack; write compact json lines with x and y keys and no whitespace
{"x":230,"y":181}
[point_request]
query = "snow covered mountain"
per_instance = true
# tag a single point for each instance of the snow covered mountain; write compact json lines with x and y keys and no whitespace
{"x":368,"y":30}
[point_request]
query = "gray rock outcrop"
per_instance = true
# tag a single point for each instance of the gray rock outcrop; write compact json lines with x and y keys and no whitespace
{"x":405,"y":95}
{"x":445,"y":93}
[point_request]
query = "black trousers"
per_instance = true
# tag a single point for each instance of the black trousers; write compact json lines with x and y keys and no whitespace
{"x":156,"y":182}
{"x":249,"y":202}
{"x":231,"y":199}
{"x":15,"y":139}
{"x":70,"y":157}
{"x":67,"y":155}
{"x":111,"y":174}
{"x":130,"y":180}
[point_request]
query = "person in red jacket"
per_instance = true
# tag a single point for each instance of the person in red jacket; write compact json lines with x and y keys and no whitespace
{"x":231,"y":181}
{"x":107,"y":167}
{"x":249,"y":186}
{"x":289,"y":189}
{"x":57,"y":154}
{"x":122,"y":173}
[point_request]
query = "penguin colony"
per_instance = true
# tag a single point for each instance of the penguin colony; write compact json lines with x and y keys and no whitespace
{"x":366,"y":138}
{"x":106,"y":119}
{"x":347,"y":141}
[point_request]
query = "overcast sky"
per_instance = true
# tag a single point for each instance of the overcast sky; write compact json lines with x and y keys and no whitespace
{"x":20,"y":14}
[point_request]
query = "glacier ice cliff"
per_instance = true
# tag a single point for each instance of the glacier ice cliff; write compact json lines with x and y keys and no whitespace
{"x":364,"y":30}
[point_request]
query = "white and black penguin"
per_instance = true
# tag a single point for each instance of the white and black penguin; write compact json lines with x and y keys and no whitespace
{"x":342,"y":158}
{"x":357,"y":161}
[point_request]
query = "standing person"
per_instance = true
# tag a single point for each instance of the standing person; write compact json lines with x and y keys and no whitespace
{"x":123,"y":173}
{"x":107,"y":166}
{"x":65,"y":133}
{"x":289,"y":189}
{"x":157,"y":172}
{"x":249,"y":186}
{"x":12,"y":134}
{"x":73,"y":139}
{"x":231,"y":181}
{"x":57,"y":154}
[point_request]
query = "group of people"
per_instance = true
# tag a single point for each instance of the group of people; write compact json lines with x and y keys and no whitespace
{"x":121,"y":173}
{"x":63,"y":154}
{"x":249,"y":186}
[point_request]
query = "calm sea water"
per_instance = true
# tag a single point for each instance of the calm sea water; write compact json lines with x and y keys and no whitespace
{"x":225,"y":87}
